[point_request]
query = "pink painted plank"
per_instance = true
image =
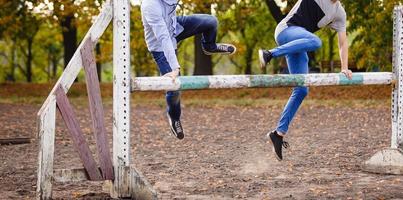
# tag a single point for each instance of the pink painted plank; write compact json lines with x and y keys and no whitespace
{"x":96,"y":108}
{"x":79,"y":141}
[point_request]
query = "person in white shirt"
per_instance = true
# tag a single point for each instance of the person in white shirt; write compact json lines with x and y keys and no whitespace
{"x":163,"y":30}
{"x":294,"y":35}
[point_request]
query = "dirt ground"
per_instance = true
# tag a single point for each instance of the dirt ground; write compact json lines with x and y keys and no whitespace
{"x":224,"y":154}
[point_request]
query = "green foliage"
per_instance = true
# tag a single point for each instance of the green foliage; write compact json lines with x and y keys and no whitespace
{"x":31,"y":36}
{"x":371,"y":23}
{"x":249,"y":26}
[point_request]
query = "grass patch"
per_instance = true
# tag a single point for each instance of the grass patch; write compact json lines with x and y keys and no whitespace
{"x":354,"y":96}
{"x":212,"y":102}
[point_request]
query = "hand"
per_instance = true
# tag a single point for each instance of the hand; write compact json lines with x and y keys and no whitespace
{"x":348,"y":73}
{"x":174,"y":74}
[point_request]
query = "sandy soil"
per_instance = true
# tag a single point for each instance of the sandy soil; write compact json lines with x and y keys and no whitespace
{"x":224,"y":155}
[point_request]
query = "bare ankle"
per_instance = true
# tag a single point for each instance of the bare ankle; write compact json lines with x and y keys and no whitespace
{"x":280,"y":134}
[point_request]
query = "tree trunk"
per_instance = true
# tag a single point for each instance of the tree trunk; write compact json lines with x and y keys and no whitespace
{"x":99,"y":64}
{"x":11,"y":75}
{"x":331,"y":45}
{"x":29,"y":60}
{"x":54,"y":66}
{"x":49,"y":70}
{"x":203,"y":63}
{"x":249,"y":60}
{"x":69,"y":30}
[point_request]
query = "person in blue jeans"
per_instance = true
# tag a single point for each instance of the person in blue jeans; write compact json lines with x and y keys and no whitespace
{"x":163,"y":30}
{"x":294,"y":35}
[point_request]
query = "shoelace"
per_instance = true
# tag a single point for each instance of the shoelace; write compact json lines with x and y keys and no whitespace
{"x":222,"y":47}
{"x":178,"y":127}
{"x":285,"y":144}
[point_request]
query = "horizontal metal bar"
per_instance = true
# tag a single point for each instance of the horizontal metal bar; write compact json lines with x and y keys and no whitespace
{"x":256,"y":81}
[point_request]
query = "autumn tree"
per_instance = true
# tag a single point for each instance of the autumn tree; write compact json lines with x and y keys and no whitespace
{"x":23,"y":26}
{"x":251,"y":27}
{"x":372,"y":25}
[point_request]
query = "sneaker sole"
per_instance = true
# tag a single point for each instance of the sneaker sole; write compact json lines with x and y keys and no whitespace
{"x":172,"y":130}
{"x":224,"y":53}
{"x":274,"y":150}
{"x":261,"y":59}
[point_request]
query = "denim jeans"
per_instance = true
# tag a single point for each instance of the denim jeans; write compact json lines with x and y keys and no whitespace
{"x":193,"y":25}
{"x":294,"y":43}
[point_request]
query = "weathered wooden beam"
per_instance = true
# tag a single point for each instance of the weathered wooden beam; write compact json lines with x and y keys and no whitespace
{"x":46,"y":129}
{"x":96,"y":109}
{"x":71,"y":175}
{"x":121,"y":94}
{"x":133,"y":184}
{"x":73,"y":68}
{"x":79,"y":141}
{"x":139,"y":187}
{"x":13,"y":141}
{"x":47,"y":114}
{"x":255,"y":81}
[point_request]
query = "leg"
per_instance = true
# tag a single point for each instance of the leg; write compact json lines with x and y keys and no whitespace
{"x":297,"y":64}
{"x":292,"y":40}
{"x":172,"y":97}
{"x":296,"y":39}
{"x":199,"y":24}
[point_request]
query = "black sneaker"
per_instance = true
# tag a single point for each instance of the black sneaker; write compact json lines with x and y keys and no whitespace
{"x":264,"y":57}
{"x":278,"y":144}
{"x":176,"y":127}
{"x":225,"y":49}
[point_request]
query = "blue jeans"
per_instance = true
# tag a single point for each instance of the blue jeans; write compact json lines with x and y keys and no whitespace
{"x":193,"y":25}
{"x":294,"y":43}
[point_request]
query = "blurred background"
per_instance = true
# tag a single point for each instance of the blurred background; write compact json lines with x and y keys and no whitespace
{"x":38,"y":38}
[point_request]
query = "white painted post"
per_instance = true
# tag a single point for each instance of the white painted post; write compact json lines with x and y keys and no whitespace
{"x":121,"y":96}
{"x":390,"y":160}
{"x":46,"y":132}
{"x":47,"y":113}
{"x":397,"y":95}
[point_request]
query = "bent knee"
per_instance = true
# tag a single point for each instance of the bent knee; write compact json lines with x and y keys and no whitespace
{"x":316,"y":42}
{"x":211,"y":21}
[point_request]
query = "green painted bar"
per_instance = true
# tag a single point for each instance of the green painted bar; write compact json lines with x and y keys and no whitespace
{"x":277,"y":81}
{"x":357,"y":80}
{"x":194,"y":83}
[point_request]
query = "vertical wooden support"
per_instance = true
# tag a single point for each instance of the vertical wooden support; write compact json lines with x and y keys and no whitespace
{"x":390,"y":160}
{"x":397,"y":135}
{"x":395,"y":87}
{"x":46,"y":129}
{"x":121,"y":94}
{"x":47,"y":113}
{"x":79,"y":142}
{"x":73,"y":68}
{"x":96,"y":108}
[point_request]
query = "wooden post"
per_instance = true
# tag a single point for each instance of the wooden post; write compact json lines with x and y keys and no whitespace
{"x":390,"y":160}
{"x":73,"y":68}
{"x":47,"y":113}
{"x":13,"y":141}
{"x":121,"y":95}
{"x":96,"y":108}
{"x":46,"y":129}
{"x":79,"y":141}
